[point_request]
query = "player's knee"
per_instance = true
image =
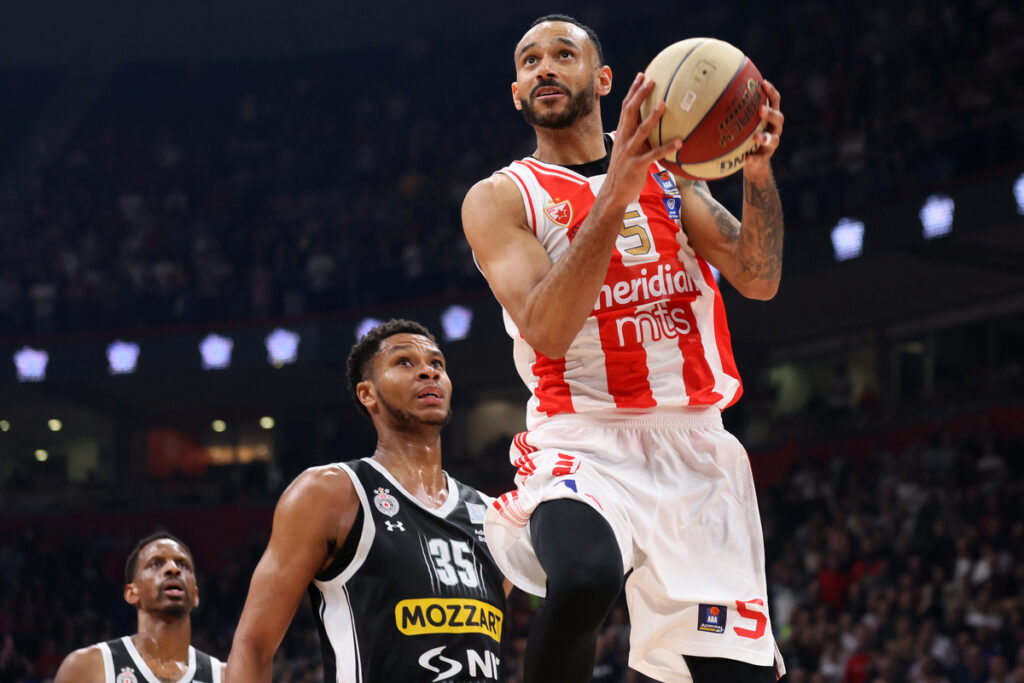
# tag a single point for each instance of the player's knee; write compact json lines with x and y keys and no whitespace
{"x":586,"y":586}
{"x":579,"y":552}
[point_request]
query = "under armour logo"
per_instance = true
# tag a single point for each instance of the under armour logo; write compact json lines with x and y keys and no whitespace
{"x":394,"y":525}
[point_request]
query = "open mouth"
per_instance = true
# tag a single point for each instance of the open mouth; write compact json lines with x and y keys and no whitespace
{"x":549,"y":92}
{"x":431,"y":396}
{"x":173,"y":590}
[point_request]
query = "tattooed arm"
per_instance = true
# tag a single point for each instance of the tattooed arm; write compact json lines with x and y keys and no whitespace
{"x":748,"y":253}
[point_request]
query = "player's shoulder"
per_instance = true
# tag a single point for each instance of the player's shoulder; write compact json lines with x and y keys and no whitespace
{"x":496,"y":188}
{"x":494,"y":203}
{"x":319,"y":487}
{"x":84,"y":665}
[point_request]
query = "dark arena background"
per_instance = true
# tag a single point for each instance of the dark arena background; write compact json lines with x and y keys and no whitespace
{"x":203,"y":203}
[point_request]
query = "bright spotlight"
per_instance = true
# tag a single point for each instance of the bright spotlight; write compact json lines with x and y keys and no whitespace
{"x":219,"y":425}
{"x":365,"y":326}
{"x":456,"y":322}
{"x":122,"y":357}
{"x":5,"y":426}
{"x":31,"y":364}
{"x":937,"y":216}
{"x":267,"y":422}
{"x":282,"y":347}
{"x":42,"y":455}
{"x":55,"y":425}
{"x":847,"y":239}
{"x":1018,"y":193}
{"x":216,"y":351}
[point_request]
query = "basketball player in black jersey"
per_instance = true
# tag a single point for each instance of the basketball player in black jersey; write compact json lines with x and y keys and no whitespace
{"x":390,"y":548}
{"x":160,"y":581}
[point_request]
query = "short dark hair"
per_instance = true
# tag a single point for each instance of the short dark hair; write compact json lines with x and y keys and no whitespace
{"x":131,"y":566}
{"x":591,"y":33}
{"x":363,"y":353}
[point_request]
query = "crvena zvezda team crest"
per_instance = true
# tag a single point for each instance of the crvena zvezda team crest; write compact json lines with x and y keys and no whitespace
{"x":560,"y":212}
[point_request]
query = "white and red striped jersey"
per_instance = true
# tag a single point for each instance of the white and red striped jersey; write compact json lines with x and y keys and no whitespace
{"x":657,"y":335}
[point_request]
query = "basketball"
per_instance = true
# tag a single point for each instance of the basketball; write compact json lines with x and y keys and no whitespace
{"x":713,"y":95}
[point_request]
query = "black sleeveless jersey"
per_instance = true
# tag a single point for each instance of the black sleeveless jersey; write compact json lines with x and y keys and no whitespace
{"x":122,"y":663}
{"x":413,"y":593}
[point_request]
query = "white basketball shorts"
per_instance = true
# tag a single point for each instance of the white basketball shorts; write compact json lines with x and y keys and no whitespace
{"x":678,"y":491}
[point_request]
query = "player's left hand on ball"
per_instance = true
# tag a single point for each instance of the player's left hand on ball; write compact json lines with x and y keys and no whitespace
{"x":674,"y":168}
{"x":768,"y":139}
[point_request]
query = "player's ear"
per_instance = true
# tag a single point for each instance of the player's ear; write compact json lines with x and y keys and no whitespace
{"x":195,"y":602}
{"x":604,"y":80}
{"x":131,"y":594}
{"x":515,"y":97}
{"x":366,"y":392}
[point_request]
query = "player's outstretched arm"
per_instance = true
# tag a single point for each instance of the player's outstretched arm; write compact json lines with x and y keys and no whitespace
{"x":312,"y":519}
{"x":550,"y":302}
{"x":81,"y":666}
{"x":748,"y":253}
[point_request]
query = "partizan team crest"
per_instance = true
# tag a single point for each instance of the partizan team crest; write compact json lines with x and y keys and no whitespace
{"x":385,"y":502}
{"x":127,"y":675}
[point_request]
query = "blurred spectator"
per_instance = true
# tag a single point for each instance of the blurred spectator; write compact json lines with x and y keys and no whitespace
{"x":298,"y":186}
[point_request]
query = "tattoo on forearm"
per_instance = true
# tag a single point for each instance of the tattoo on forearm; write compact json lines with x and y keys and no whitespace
{"x":762,"y":230}
{"x":727,"y":226}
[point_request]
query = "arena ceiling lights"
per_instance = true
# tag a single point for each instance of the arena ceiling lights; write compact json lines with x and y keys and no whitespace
{"x":365,"y":325}
{"x":122,"y":357}
{"x":848,"y":239}
{"x":31,"y":364}
{"x":937,"y":216}
{"x":456,"y":321}
{"x":215,"y":351}
{"x":1018,"y":194}
{"x":282,"y":347}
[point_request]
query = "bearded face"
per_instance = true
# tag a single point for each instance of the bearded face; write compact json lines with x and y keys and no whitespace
{"x":538,"y":112}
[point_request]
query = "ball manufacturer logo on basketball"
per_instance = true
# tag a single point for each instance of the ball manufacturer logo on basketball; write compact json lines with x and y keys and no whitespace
{"x":713,"y":95}
{"x":741,"y":114}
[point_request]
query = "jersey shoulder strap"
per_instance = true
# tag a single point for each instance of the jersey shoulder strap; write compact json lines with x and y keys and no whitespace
{"x":123,"y":664}
{"x":207,"y":668}
{"x":118,"y":665}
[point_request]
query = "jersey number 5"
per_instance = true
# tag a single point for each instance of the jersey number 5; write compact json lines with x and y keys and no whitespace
{"x":636,"y":239}
{"x":752,"y":610}
{"x":453,"y":562}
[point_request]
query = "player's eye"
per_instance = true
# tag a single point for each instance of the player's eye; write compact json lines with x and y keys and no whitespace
{"x":566,"y":54}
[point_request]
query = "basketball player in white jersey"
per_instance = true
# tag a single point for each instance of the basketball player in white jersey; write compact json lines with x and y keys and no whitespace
{"x":160,"y":581}
{"x":390,"y":548}
{"x":600,"y":255}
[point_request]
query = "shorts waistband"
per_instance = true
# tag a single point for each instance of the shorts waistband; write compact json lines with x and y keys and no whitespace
{"x":684,"y":417}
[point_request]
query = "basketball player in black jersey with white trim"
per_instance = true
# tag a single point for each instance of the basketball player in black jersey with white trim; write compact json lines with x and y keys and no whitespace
{"x":390,"y":548}
{"x":160,"y":581}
